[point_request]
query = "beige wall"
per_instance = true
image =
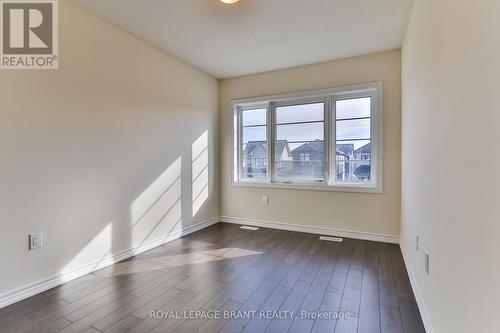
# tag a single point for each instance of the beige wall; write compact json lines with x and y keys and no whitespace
{"x":361,"y":212}
{"x":79,"y":145}
{"x":450,"y":160}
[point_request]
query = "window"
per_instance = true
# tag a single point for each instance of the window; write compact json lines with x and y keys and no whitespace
{"x":353,"y":117}
{"x":304,"y":159}
{"x":299,"y":142}
{"x":253,"y":142}
{"x":329,"y":140}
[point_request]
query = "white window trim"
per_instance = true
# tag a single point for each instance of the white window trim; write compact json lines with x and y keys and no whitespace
{"x":374,"y":90}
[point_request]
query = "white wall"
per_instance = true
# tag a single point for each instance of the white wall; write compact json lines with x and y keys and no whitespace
{"x":359,"y":212}
{"x":450,"y":160}
{"x":79,"y":145}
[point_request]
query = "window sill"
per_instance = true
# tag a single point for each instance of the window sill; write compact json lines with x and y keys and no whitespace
{"x":310,"y":187}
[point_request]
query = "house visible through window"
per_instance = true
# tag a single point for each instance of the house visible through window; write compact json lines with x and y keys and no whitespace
{"x":324,"y":139}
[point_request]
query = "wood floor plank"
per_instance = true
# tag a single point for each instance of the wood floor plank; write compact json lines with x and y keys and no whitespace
{"x":253,"y":303}
{"x":369,"y":309}
{"x":147,"y":301}
{"x":290,"y":305}
{"x":301,"y":325}
{"x":211,"y":326}
{"x":267,"y":310}
{"x":410,"y":317}
{"x":193,"y":305}
{"x":123,"y":325}
{"x":98,"y":314}
{"x":351,"y":297}
{"x":403,"y":287}
{"x":330,"y":304}
{"x":56,"y":326}
{"x":388,"y":294}
{"x":390,"y":319}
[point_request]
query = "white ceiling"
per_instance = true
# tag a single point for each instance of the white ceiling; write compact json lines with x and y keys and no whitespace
{"x":259,"y":35}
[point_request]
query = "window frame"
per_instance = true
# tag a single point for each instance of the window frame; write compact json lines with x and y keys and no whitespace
{"x":329,"y":96}
{"x":239,"y":134}
{"x":300,"y":101}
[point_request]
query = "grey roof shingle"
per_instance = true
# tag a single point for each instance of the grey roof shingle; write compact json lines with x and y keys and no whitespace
{"x":316,"y":145}
{"x":366,"y":149}
{"x":280,"y":146}
{"x":346,"y":148}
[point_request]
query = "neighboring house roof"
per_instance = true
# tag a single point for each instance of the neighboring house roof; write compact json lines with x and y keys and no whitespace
{"x":345,"y":148}
{"x":366,"y":149}
{"x":339,"y":152}
{"x":316,"y":145}
{"x":280,"y":146}
{"x":251,"y":145}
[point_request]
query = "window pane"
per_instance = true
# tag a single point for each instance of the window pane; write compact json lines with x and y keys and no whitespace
{"x":353,"y":108}
{"x":254,"y":145}
{"x":254,"y":117}
{"x":353,"y":129}
{"x":353,"y":146}
{"x":300,"y":113}
{"x":353,"y":161}
{"x":300,"y":132}
{"x":254,"y":134}
{"x":299,"y":148}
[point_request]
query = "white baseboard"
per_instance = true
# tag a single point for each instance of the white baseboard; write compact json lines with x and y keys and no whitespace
{"x":314,"y":230}
{"x":41,"y":286}
{"x":426,"y":319}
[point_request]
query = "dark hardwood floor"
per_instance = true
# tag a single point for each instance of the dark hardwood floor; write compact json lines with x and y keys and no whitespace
{"x":223,"y":269}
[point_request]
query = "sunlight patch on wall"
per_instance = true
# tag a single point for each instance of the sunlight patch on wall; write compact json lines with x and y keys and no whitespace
{"x":200,"y":172}
{"x":99,"y":247}
{"x":157,"y":212}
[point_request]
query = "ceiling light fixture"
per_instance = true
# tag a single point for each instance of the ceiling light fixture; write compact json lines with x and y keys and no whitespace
{"x":229,"y":1}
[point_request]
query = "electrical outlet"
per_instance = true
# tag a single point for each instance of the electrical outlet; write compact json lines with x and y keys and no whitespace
{"x":427,"y":262}
{"x":417,"y":240}
{"x":265,"y":200}
{"x":35,"y":240}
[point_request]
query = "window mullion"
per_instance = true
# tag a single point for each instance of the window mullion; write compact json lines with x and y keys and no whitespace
{"x":240,"y":142}
{"x":270,"y":142}
{"x":374,"y":139}
{"x":327,"y":142}
{"x":333,"y":133}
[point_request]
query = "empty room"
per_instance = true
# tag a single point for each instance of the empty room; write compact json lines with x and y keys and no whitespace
{"x":249,"y":166}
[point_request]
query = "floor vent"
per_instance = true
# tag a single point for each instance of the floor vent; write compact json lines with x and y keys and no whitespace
{"x":331,"y":239}
{"x":248,"y":228}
